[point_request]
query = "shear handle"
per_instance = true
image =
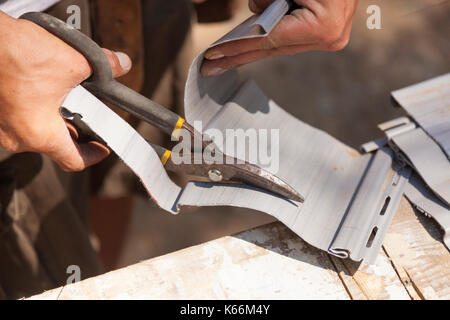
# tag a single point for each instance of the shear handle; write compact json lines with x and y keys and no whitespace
{"x":101,"y":82}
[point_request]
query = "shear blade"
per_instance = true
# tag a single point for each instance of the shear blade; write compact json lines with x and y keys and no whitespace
{"x":254,"y":175}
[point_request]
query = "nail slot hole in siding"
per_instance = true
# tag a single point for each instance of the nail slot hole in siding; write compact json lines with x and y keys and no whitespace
{"x":385,"y":206}
{"x":372,"y":237}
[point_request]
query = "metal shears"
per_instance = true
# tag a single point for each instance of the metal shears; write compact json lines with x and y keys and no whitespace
{"x":102,"y":85}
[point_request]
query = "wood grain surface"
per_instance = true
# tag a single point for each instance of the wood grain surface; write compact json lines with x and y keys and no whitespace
{"x":271,"y":262}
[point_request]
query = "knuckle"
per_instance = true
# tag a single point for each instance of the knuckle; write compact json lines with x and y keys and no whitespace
{"x":332,"y":32}
{"x":330,"y":37}
{"x":10,"y":145}
{"x":80,"y":69}
{"x":36,"y":138}
{"x":10,"y":142}
{"x":72,"y":166}
{"x":79,"y":66}
{"x":334,"y":37}
{"x":339,"y":44}
{"x":68,"y":162}
{"x":84,"y":69}
{"x":113,"y":60}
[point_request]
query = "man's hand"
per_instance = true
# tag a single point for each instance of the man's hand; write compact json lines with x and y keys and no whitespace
{"x":37,"y":71}
{"x":317,"y":25}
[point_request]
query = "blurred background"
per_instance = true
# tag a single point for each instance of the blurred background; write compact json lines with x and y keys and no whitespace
{"x":344,"y":93}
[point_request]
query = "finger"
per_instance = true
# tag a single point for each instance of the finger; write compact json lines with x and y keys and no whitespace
{"x":69,"y":155}
{"x":120,"y":62}
{"x":80,"y":156}
{"x":234,"y":48}
{"x":72,"y":130}
{"x":294,"y":29}
{"x":93,"y":152}
{"x":217,"y":67}
{"x":258,"y":6}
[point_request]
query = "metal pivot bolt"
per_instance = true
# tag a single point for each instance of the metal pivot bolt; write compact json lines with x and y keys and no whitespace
{"x":215,"y":175}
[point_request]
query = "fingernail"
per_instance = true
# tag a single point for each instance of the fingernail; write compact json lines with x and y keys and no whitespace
{"x":253,"y":7}
{"x":215,"y":72}
{"x":215,"y":56}
{"x":124,"y":60}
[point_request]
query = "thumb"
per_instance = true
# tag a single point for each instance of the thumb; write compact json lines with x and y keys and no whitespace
{"x":120,"y":62}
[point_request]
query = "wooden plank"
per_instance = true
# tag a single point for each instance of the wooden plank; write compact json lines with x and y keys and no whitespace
{"x":404,"y":278}
{"x":378,"y":281}
{"x":415,"y":247}
{"x":271,"y":262}
{"x":265,"y":263}
{"x":350,"y":284}
{"x":373,"y":282}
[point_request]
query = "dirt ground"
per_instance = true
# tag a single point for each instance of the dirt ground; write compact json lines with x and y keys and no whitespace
{"x":345,"y":93}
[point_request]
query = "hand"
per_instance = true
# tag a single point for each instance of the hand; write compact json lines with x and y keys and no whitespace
{"x":317,"y":25}
{"x":37,"y":71}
